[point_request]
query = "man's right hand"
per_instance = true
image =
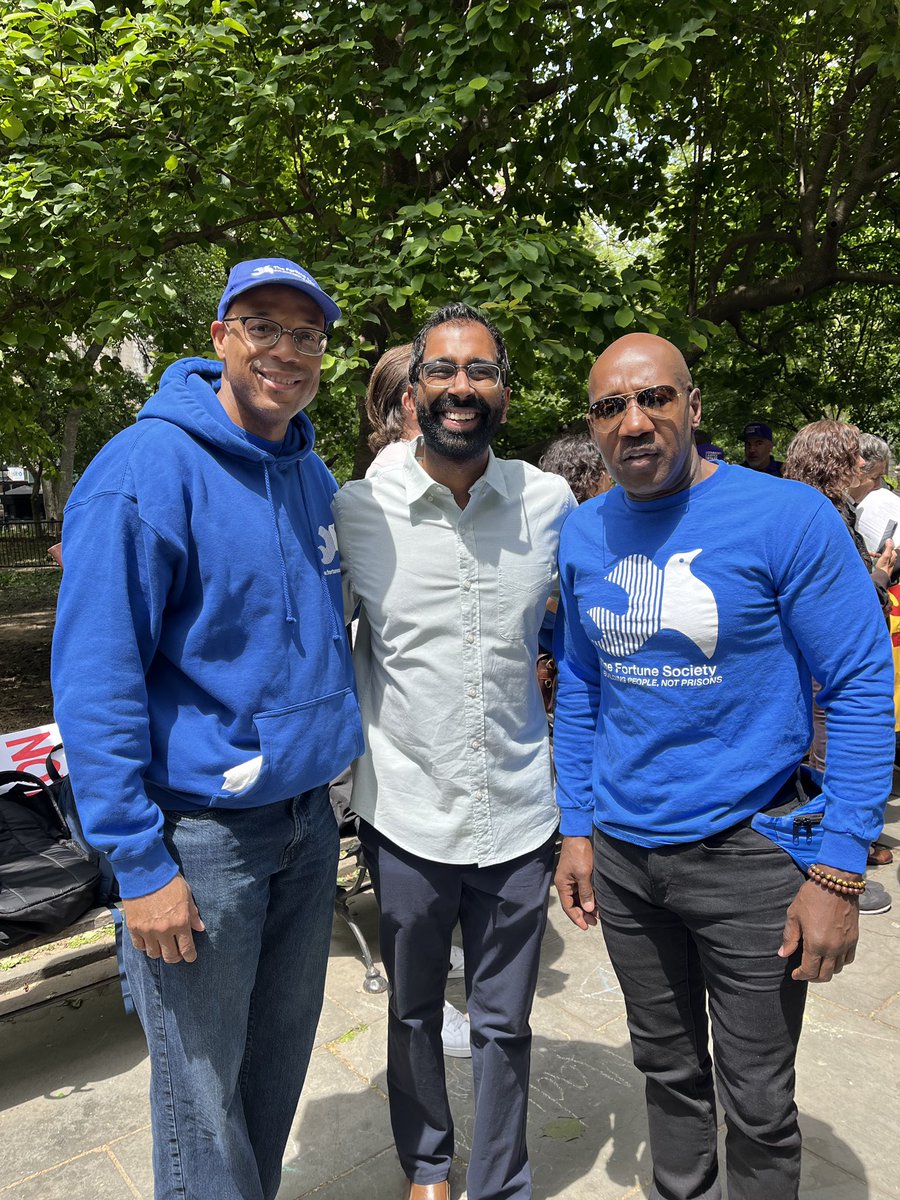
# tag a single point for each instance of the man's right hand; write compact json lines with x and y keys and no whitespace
{"x":573,"y":881}
{"x":162,"y":923}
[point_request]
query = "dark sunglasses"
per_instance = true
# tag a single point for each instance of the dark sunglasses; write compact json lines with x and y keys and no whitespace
{"x":651,"y":400}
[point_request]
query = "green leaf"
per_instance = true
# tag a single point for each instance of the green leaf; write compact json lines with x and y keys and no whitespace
{"x":7,"y":272}
{"x":453,"y":234}
{"x":237,"y":26}
{"x":479,"y":82}
{"x":434,"y":209}
{"x":12,"y":128}
{"x":870,"y":56}
{"x":681,"y":68}
{"x":565,"y":1129}
{"x":624,"y":316}
{"x":171,"y":163}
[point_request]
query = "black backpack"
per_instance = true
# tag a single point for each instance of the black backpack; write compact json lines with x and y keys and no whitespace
{"x":61,"y":788}
{"x":47,"y":880}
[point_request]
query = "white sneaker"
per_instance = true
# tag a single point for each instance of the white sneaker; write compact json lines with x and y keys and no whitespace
{"x":455,"y":1033}
{"x":457,"y":963}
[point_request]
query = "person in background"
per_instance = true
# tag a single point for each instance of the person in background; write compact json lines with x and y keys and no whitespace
{"x":575,"y":457}
{"x":393,"y":427}
{"x":452,"y":557}
{"x":876,"y":463}
{"x":826,"y":455}
{"x":877,"y":459}
{"x":706,"y":448}
{"x":758,"y":449}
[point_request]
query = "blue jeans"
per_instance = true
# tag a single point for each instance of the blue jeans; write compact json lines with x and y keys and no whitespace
{"x":230,"y":1035}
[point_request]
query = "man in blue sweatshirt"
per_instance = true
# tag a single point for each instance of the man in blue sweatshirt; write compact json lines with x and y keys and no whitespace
{"x":204,"y":691}
{"x":692,"y":597}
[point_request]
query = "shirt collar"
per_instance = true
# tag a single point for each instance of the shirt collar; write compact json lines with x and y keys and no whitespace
{"x":418,"y":481}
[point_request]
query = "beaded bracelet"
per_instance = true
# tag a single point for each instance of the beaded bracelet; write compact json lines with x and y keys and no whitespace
{"x":836,"y":883}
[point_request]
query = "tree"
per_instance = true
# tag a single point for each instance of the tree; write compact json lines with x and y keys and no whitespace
{"x":407,"y":153}
{"x":410,"y":153}
{"x":785,"y":184}
{"x":46,"y":404}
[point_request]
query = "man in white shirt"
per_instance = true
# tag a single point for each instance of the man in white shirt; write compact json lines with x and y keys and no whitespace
{"x":451,"y":557}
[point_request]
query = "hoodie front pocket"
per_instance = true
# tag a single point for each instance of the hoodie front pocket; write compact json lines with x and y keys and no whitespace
{"x":302,"y":747}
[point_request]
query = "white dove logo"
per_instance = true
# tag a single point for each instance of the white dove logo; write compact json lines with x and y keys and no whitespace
{"x":328,"y":549}
{"x":671,"y":598}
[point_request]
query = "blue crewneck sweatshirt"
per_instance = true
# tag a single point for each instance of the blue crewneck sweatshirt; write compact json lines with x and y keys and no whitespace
{"x":690,"y":627}
{"x":199,"y":657}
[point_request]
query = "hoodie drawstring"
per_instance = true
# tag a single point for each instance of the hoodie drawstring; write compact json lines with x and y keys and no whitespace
{"x":288,"y":614}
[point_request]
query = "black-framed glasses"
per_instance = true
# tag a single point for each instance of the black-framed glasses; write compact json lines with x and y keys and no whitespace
{"x":440,"y":371}
{"x":264,"y":332}
{"x":653,"y":400}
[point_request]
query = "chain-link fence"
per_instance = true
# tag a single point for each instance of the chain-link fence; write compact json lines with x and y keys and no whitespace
{"x":25,"y":544}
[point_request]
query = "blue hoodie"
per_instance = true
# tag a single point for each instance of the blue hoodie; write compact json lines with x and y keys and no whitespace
{"x":199,"y":625}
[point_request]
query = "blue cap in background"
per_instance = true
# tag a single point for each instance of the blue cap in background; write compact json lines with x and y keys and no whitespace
{"x":756,"y":429}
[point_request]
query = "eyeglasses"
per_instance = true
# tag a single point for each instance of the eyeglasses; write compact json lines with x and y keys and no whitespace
{"x":269,"y":333}
{"x":652,"y":400}
{"x":443,"y":370}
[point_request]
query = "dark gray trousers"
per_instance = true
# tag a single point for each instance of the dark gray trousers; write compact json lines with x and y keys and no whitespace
{"x":502,"y":912}
{"x":695,"y":923}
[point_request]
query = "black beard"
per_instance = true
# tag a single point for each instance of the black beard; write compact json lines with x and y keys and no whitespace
{"x":460,"y":447}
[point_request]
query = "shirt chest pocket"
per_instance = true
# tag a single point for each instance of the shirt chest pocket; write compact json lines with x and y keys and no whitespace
{"x":523,"y":589}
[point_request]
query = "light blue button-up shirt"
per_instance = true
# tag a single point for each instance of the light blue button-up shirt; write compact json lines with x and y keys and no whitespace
{"x":457,"y":764}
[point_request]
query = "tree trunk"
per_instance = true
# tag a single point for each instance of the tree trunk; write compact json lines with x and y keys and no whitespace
{"x":64,"y":482}
{"x":35,"y":501}
{"x":51,"y":509}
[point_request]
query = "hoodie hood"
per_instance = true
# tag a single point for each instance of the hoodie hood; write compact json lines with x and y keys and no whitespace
{"x":188,"y":397}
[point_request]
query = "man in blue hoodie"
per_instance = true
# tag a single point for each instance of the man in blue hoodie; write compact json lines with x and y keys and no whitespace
{"x":692,"y":600}
{"x":204,"y":691}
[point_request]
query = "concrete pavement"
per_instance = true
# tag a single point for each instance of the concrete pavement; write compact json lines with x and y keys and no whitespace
{"x":73,"y":1081}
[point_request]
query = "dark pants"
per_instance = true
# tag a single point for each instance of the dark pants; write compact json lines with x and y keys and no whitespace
{"x":687,"y":924}
{"x":502,"y":911}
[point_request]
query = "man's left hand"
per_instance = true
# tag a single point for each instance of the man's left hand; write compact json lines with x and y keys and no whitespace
{"x":827,"y":925}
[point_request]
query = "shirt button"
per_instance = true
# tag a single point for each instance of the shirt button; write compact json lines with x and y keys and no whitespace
{"x":473,"y":692}
{"x":479,"y":795}
{"x":475,"y":743}
{"x":467,"y":585}
{"x":470,"y":638}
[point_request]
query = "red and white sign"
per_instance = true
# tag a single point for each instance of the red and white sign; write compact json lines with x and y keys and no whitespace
{"x":27,"y":750}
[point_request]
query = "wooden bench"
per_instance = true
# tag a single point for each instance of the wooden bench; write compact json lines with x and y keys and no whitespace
{"x":47,"y":970}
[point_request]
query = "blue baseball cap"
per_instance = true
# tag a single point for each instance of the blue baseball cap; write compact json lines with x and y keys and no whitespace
{"x":256,"y":272}
{"x":756,"y":429}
